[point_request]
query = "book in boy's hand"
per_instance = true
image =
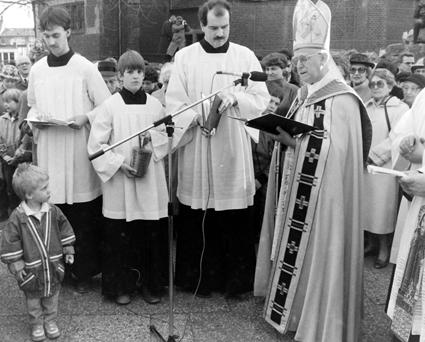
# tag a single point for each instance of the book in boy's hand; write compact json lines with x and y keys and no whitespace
{"x":269,"y":123}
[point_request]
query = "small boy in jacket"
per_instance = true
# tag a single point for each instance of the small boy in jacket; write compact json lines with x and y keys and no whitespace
{"x":34,"y":241}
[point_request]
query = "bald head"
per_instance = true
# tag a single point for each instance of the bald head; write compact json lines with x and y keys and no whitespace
{"x":23,"y":64}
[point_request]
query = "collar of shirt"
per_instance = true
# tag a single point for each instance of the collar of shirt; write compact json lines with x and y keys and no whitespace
{"x":63,"y":60}
{"x":138,"y":98}
{"x":312,"y":88}
{"x":211,"y":49}
{"x":38,"y":215}
{"x":10,"y":117}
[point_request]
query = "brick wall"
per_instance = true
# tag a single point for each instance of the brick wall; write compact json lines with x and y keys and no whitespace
{"x":356,"y":24}
{"x":265,"y":26}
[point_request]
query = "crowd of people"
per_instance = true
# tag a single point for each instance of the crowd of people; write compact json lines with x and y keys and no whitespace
{"x":306,"y":200}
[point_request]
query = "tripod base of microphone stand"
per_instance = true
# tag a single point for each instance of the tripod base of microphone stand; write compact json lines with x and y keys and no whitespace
{"x":153,"y":329}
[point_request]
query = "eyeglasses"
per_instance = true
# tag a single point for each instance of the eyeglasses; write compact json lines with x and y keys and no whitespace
{"x":24,"y":64}
{"x":379,"y":84}
{"x":412,"y":89}
{"x":303,"y":58}
{"x":359,"y":70}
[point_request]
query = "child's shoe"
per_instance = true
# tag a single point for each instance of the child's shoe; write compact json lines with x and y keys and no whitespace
{"x":52,"y":330}
{"x":37,"y":333}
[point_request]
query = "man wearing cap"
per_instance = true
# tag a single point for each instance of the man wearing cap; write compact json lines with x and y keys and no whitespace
{"x":418,"y":67}
{"x":316,"y":278}
{"x":68,"y":87}
{"x":360,"y":70}
{"x":412,"y":86}
{"x":23,"y":64}
{"x":108,"y":70}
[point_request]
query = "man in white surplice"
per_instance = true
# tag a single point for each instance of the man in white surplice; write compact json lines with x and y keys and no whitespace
{"x":216,"y":173}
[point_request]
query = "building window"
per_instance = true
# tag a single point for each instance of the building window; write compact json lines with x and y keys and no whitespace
{"x":3,"y":41}
{"x":76,"y":10}
{"x":7,"y":57}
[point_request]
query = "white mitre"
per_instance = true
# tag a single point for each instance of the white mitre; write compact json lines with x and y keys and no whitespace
{"x":312,"y":25}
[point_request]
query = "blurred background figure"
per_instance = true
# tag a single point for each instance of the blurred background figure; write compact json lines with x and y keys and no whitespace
{"x":412,"y":86}
{"x":108,"y":70}
{"x":23,"y":63}
{"x":166,"y":36}
{"x":164,"y":78}
{"x":38,"y":51}
{"x":179,"y":28}
{"x":150,"y":82}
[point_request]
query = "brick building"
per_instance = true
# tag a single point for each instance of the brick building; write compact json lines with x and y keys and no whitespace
{"x":103,"y":28}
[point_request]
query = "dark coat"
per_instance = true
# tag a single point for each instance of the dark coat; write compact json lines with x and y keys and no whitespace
{"x":166,"y":37}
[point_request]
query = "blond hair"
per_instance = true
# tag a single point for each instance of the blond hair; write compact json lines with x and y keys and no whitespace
{"x":27,"y":178}
{"x":12,"y":95}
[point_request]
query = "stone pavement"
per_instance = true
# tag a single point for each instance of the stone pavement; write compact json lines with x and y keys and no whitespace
{"x":90,"y":317}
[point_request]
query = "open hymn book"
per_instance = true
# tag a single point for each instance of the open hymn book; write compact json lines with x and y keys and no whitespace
{"x":49,"y":121}
{"x":269,"y":123}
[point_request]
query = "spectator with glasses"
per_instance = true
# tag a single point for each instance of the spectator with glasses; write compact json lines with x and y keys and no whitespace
{"x":379,"y":217}
{"x":412,"y":86}
{"x":23,"y":63}
{"x":360,"y":70}
{"x":278,"y":68}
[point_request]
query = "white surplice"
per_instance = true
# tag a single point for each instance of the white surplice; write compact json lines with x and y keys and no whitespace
{"x":218,"y":172}
{"x":136,"y":198}
{"x":63,"y":92}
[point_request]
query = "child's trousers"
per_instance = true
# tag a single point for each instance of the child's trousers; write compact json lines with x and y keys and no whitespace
{"x":42,"y":310}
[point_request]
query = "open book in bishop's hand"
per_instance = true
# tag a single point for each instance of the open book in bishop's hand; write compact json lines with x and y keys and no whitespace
{"x":269,"y":123}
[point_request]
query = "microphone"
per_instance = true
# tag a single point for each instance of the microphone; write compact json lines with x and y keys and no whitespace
{"x":256,"y":76}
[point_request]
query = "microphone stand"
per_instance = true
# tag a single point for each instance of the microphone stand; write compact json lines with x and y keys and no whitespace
{"x":164,"y":120}
{"x":167,"y":120}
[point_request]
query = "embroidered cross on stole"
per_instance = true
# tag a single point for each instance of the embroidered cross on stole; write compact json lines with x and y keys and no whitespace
{"x":297,"y":219}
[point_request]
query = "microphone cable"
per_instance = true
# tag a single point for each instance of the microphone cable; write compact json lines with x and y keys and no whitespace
{"x":203,"y":246}
{"x":202,"y":229}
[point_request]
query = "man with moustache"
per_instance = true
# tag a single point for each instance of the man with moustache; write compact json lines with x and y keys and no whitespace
{"x":68,"y":87}
{"x":216,"y":182}
{"x":317,"y":249}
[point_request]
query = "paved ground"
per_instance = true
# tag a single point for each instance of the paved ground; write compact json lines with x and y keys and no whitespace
{"x":90,"y":317}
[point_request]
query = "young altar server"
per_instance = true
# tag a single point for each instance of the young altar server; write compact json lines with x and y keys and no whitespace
{"x":133,"y":235}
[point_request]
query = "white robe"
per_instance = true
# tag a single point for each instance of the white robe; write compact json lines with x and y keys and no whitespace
{"x":380,"y":192}
{"x":412,"y":122}
{"x":64,"y":92}
{"x":218,"y":172}
{"x":411,"y":223}
{"x":139,"y":198}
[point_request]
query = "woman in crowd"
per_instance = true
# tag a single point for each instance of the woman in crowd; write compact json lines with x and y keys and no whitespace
{"x":381,"y":191}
